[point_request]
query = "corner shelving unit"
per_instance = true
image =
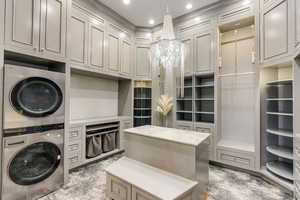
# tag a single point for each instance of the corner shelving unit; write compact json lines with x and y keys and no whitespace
{"x":278,"y":124}
{"x":142,"y":103}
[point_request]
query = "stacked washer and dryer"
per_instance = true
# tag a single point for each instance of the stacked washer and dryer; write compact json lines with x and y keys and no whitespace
{"x":33,"y":134}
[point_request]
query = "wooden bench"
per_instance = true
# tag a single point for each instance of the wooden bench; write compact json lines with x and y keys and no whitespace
{"x":129,"y":179}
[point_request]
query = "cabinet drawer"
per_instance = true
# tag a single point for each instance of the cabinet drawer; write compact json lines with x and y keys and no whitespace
{"x":127,"y":124}
{"x":74,"y":147}
{"x":117,"y":189}
{"x":138,"y":194}
{"x":75,"y":133}
{"x":74,"y":160}
{"x":235,"y":159}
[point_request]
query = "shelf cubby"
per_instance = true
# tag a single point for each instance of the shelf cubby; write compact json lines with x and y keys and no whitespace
{"x":142,"y":103}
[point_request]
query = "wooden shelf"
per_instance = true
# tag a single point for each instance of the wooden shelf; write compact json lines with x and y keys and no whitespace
{"x":280,"y":132}
{"x":280,"y":114}
{"x":204,"y":86}
{"x":205,"y":99}
{"x":205,"y":113}
{"x":281,"y":169}
{"x":184,"y":111}
{"x":280,"y":99}
{"x":142,"y":98}
{"x":280,"y":82}
{"x":186,"y":99}
{"x":142,"y":108}
{"x":283,"y":152}
{"x":142,"y":117}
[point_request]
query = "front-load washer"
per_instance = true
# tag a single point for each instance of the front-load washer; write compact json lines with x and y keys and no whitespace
{"x":32,"y":163}
{"x":32,"y":97}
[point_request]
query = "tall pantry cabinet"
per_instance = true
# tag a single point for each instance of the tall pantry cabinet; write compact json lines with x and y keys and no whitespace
{"x":36,"y":28}
{"x":238,"y":86}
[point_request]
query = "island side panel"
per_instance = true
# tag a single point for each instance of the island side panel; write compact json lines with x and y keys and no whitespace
{"x":184,"y":160}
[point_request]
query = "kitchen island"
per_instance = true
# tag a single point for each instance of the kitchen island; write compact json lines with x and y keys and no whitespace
{"x":181,"y":152}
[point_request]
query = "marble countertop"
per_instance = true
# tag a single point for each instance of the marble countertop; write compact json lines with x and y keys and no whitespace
{"x":170,"y":134}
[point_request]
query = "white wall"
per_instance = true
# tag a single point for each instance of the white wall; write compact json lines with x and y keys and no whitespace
{"x":93,"y":97}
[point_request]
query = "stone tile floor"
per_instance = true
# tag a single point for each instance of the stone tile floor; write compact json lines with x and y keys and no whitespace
{"x":88,"y":183}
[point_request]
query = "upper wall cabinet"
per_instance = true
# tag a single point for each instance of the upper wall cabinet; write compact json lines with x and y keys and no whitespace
{"x":36,"y":27}
{"x":87,"y":39}
{"x":126,"y":58}
{"x":276,"y":31}
{"x":143,"y":68}
{"x":297,"y":21}
{"x":188,"y":55}
{"x":198,"y":39}
{"x":203,"y":52}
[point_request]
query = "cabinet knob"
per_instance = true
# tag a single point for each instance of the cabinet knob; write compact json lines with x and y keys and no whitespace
{"x":42,"y":49}
{"x":34,"y":48}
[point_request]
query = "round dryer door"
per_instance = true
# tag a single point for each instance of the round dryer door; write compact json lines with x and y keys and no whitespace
{"x":36,"y":97}
{"x":34,"y":163}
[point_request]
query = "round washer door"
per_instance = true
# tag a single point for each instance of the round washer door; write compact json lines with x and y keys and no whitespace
{"x":36,"y":97}
{"x":34,"y":163}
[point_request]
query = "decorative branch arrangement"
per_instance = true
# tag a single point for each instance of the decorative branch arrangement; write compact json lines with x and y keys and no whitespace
{"x":164,"y":106}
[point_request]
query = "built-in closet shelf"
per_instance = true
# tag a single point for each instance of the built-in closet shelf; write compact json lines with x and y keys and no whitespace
{"x":142,"y":117}
{"x":280,"y":114}
{"x":204,"y":86}
{"x":283,"y":152}
{"x":280,"y":99}
{"x":280,"y":132}
{"x":185,"y":99}
{"x":282,"y":169}
{"x":236,"y":145}
{"x":142,"y":98}
{"x":205,"y":113}
{"x":287,"y":184}
{"x":142,"y":109}
{"x":184,"y":111}
{"x":280,"y":82}
{"x":205,"y":99}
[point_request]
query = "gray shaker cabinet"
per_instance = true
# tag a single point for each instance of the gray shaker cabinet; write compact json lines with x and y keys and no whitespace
{"x":275,"y":30}
{"x":53,"y":28}
{"x":203,"y":52}
{"x":126,"y":58}
{"x":188,"y":55}
{"x":96,"y":44}
{"x":79,"y":37}
{"x":142,"y":68}
{"x":297,"y":18}
{"x":36,"y":27}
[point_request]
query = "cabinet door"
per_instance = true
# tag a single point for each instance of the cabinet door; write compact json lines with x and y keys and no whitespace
{"x":126,"y":58}
{"x":79,"y":37}
{"x":244,"y":51}
{"x":142,"y":62}
{"x":96,"y":45}
{"x":228,"y":52}
{"x":203,"y":48}
{"x":297,"y":18}
{"x":275,"y":30}
{"x":188,"y":55}
{"x":22,"y":24}
{"x":113,"y":53}
{"x":53,"y":27}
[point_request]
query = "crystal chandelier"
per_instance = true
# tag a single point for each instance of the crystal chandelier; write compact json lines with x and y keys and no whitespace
{"x":168,"y":51}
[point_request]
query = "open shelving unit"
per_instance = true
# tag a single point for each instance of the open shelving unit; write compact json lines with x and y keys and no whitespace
{"x":277,"y":106}
{"x":197,"y":105}
{"x":142,"y":103}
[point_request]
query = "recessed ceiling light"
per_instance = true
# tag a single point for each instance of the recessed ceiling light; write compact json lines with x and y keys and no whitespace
{"x":189,"y":6}
{"x":126,"y":2}
{"x":148,"y":35}
{"x":151,"y":21}
{"x":197,"y":19}
{"x":122,"y":35}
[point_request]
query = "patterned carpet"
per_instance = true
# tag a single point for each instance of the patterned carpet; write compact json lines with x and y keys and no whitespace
{"x":88,"y":183}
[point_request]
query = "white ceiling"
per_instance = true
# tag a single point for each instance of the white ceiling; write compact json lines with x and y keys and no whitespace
{"x":139,"y":12}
